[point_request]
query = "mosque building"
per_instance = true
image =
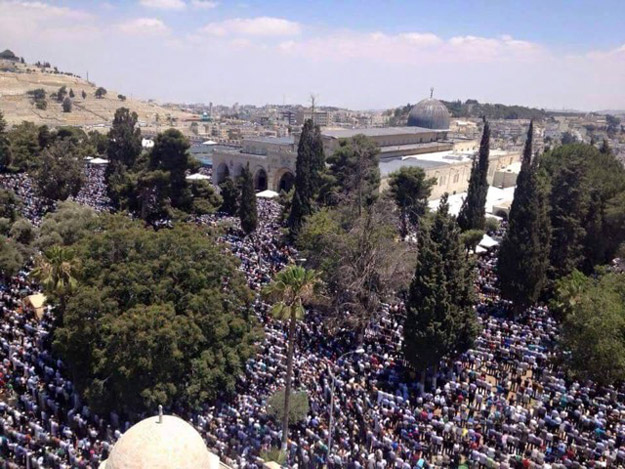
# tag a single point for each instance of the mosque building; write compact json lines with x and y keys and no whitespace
{"x":425,"y":142}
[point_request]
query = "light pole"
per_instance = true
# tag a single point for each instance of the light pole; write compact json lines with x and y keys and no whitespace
{"x":358,"y":351}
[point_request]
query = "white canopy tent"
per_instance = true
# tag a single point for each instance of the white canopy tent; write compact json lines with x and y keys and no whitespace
{"x":488,"y":242}
{"x":197,"y":177}
{"x":267,"y":194}
{"x":209,"y":142}
{"x":98,"y":161}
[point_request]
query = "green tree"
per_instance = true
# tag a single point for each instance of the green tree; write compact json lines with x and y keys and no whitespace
{"x":570,"y":200}
{"x":360,"y":258}
{"x":68,"y":224}
{"x":410,"y":190}
{"x":24,"y":140}
{"x":5,"y":146}
{"x":593,"y":328}
{"x":83,"y":94}
{"x":124,"y":138}
{"x":44,"y":137}
{"x":100,"y":93}
{"x":170,"y":153}
{"x":470,"y":239}
{"x":11,"y":260}
{"x":98,"y":142}
{"x":67,"y":105}
{"x":587,"y":195}
{"x":10,"y":204}
{"x":353,"y":173}
{"x":298,"y":406}
{"x":71,"y":93}
{"x":57,"y":270}
{"x":247,"y":206}
{"x":308,"y":167}
{"x":124,"y":147}
{"x":205,"y":198}
{"x":289,"y":292}
{"x":151,"y":321}
{"x":524,"y":252}
{"x":60,"y":173}
{"x":440,"y":320}
{"x":472,"y":212}
{"x":61,"y":94}
{"x":230,"y":195}
{"x":23,"y":232}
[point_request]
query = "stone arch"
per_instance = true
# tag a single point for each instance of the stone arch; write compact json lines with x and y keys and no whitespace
{"x":260,"y":179}
{"x":221,"y":173}
{"x":284,"y":180}
{"x":502,"y":214}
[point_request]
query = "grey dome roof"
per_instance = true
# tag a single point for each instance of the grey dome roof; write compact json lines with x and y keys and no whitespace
{"x":429,"y":113}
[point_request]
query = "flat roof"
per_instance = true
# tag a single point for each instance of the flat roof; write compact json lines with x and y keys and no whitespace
{"x":390,"y":166}
{"x":412,"y":146}
{"x":289,"y":140}
{"x":376,"y":132}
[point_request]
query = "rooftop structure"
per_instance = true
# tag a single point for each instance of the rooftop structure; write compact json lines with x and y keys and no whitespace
{"x":161,"y":442}
{"x":429,"y":113}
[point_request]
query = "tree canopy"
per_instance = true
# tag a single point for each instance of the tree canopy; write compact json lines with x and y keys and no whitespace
{"x":247,"y":205}
{"x":593,"y":328}
{"x":361,"y":259}
{"x":440,"y":320}
{"x":587,"y":209}
{"x":353,"y":173}
{"x":60,"y":172}
{"x":524,"y":252}
{"x":410,"y":190}
{"x":472,"y":212}
{"x":153,"y":320}
{"x":308,"y":168}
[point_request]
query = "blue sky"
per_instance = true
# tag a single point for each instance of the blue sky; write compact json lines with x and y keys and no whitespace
{"x":361,"y":54}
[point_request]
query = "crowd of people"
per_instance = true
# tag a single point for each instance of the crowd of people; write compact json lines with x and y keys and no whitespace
{"x":504,"y":403}
{"x":93,"y":192}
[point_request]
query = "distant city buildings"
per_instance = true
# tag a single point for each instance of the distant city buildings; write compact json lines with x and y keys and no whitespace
{"x":444,"y":155}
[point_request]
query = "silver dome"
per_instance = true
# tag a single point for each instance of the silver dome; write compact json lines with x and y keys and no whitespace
{"x":429,"y":113}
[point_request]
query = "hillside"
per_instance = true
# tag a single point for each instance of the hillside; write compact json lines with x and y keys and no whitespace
{"x":18,"y":79}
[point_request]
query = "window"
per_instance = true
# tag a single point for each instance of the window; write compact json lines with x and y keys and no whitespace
{"x":456,"y":177}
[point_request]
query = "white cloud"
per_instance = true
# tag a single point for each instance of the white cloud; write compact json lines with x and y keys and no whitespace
{"x":144,"y":26}
{"x":413,"y":47}
{"x":204,"y":4}
{"x":422,"y":39}
{"x":260,"y":26}
{"x":164,"y":4}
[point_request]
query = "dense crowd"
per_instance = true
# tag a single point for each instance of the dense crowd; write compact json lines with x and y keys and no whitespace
{"x":93,"y":192}
{"x":504,"y":403}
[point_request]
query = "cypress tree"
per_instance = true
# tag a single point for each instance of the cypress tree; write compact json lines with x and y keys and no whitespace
{"x":569,"y":209}
{"x":524,"y":252}
{"x":440,"y":321}
{"x":471,"y":216}
{"x":247,"y":208}
{"x":308,"y":167}
{"x":230,"y":197}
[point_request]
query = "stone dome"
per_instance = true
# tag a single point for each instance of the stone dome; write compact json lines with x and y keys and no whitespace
{"x":429,"y":113}
{"x":167,"y":444}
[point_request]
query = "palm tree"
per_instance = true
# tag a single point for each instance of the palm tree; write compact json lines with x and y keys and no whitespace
{"x":290,"y":289}
{"x":57,"y":271}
